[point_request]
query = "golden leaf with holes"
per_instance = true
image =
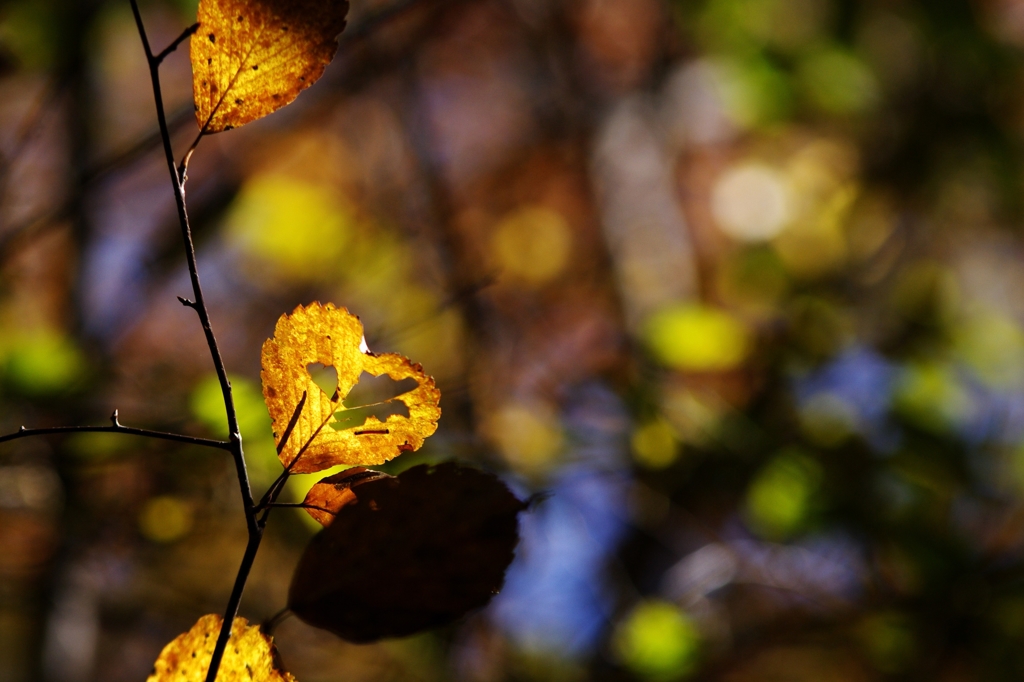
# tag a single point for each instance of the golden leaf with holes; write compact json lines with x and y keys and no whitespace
{"x":333,"y":337}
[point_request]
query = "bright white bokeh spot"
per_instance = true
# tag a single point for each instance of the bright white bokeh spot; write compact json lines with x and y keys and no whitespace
{"x":751,"y":202}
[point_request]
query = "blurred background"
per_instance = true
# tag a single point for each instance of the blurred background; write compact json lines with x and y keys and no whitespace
{"x":737,"y":283}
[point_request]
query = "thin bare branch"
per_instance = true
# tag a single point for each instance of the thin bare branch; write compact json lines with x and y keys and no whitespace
{"x":199,"y":302}
{"x":117,"y":428}
{"x":270,"y":624}
{"x":253,"y":524}
{"x":299,"y":505}
{"x":177,"y":41}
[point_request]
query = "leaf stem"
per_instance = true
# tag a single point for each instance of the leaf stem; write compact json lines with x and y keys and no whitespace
{"x":270,"y":624}
{"x":299,"y":505}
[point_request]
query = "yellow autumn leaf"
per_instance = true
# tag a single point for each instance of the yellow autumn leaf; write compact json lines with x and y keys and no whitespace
{"x":252,"y":57}
{"x":249,"y":657}
{"x":333,"y":337}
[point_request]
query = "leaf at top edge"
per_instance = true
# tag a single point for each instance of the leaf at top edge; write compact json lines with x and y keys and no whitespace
{"x":333,"y":337}
{"x":250,"y":655}
{"x":252,"y":57}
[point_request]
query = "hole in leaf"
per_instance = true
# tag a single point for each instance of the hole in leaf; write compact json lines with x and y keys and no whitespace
{"x":346,"y":419}
{"x":370,"y":390}
{"x":324,"y":377}
{"x":373,"y":396}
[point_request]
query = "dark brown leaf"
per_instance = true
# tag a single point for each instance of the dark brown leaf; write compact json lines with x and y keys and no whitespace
{"x":413,"y":552}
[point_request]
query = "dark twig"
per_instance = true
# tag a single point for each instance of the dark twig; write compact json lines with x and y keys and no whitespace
{"x":251,"y":548}
{"x":117,"y":428}
{"x":278,"y":485}
{"x":273,"y":491}
{"x":305,"y":446}
{"x":270,"y":624}
{"x":199,"y":302}
{"x":298,"y":505}
{"x":183,"y":166}
{"x":253,"y":524}
{"x":177,"y":41}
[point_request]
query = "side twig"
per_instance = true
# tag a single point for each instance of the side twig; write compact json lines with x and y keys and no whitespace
{"x":118,"y":428}
{"x":187,"y":33}
{"x":270,"y":624}
{"x":299,"y":505}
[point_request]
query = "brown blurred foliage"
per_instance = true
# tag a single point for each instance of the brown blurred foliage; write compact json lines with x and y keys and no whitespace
{"x":733,"y":282}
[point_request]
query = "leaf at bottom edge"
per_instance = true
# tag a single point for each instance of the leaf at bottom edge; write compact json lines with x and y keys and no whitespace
{"x":250,"y":655}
